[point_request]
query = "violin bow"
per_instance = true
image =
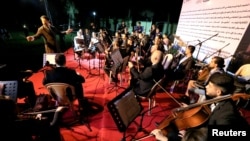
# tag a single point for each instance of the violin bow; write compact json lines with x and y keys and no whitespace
{"x":168,"y":93}
{"x":235,"y":96}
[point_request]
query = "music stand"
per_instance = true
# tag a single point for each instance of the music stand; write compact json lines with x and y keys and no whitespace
{"x":79,"y":55}
{"x":118,"y":62}
{"x":49,"y":59}
{"x":79,"y":45}
{"x":124,"y":109}
{"x":98,"y":47}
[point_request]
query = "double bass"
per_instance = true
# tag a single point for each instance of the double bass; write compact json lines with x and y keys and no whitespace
{"x":193,"y":115}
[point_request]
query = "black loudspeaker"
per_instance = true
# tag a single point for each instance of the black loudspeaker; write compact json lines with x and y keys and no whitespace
{"x":124,"y":109}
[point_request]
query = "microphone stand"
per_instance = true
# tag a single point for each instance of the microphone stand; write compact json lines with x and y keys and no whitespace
{"x":200,"y":43}
{"x":217,"y":51}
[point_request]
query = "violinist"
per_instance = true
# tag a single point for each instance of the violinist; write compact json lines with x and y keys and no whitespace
{"x":223,"y":112}
{"x":113,"y":60}
{"x":92,"y":45}
{"x":198,"y":86}
{"x":181,"y":64}
{"x":142,"y":82}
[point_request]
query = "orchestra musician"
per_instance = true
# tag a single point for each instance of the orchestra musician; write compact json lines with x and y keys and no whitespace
{"x":104,"y":38}
{"x":220,"y":113}
{"x":92,"y":45}
{"x":142,"y":82}
{"x":113,"y":60}
{"x":87,"y":36}
{"x":194,"y":86}
{"x":121,"y":27}
{"x":63,"y":74}
{"x":181,"y":64}
{"x":79,"y":44}
{"x":146,"y":49}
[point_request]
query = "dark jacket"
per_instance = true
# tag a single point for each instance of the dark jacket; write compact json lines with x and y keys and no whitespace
{"x":145,"y":79}
{"x":49,"y":36}
{"x":226,"y":113}
{"x":65,"y":75}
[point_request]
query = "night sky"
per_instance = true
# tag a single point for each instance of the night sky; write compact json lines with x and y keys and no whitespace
{"x":21,"y":12}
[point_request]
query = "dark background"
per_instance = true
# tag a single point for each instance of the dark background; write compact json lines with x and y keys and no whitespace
{"x":19,"y":55}
{"x":21,"y":12}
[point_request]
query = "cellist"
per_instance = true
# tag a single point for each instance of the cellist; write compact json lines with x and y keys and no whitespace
{"x":223,"y":113}
{"x":216,"y":65}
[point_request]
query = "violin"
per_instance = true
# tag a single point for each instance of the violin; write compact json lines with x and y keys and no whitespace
{"x":193,"y":115}
{"x":203,"y":73}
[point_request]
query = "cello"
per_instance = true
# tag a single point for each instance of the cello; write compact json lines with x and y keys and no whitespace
{"x":193,"y":115}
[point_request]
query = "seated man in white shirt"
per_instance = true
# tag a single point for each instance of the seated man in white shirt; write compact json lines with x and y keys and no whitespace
{"x":195,"y":86}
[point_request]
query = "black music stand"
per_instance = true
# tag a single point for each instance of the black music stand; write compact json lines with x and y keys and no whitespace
{"x":79,"y":45}
{"x":117,"y":62}
{"x":100,"y":49}
{"x":78,"y":52}
{"x":124,"y":109}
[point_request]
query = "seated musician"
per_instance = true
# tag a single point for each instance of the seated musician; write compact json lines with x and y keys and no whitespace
{"x":92,"y":45}
{"x":181,"y":64}
{"x":142,"y":82}
{"x":242,"y":78}
{"x":79,"y":41}
{"x":198,"y":86}
{"x":157,"y":45}
{"x":113,"y":61}
{"x":243,"y":74}
{"x":63,"y":74}
{"x":17,"y":127}
{"x":224,"y":112}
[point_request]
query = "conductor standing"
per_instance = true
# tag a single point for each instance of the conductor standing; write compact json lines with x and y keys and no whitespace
{"x":48,"y":32}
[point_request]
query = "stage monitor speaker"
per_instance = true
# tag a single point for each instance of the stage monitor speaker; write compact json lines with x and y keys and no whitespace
{"x":124,"y":109}
{"x":49,"y":59}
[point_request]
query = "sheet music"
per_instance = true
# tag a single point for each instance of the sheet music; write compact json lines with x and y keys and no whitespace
{"x":50,"y":57}
{"x":80,"y":41}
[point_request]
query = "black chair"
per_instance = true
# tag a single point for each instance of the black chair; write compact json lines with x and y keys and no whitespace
{"x":151,"y":94}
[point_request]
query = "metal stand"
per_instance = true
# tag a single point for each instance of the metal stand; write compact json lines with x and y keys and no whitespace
{"x":99,"y":67}
{"x":120,"y":104}
{"x":200,"y":43}
{"x":79,"y":55}
{"x":89,"y":70}
{"x":115,"y":87}
{"x":217,"y":51}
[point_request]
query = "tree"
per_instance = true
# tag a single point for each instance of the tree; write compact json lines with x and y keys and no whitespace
{"x":71,"y":11}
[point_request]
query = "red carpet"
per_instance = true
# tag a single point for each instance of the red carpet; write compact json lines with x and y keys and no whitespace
{"x":96,"y":90}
